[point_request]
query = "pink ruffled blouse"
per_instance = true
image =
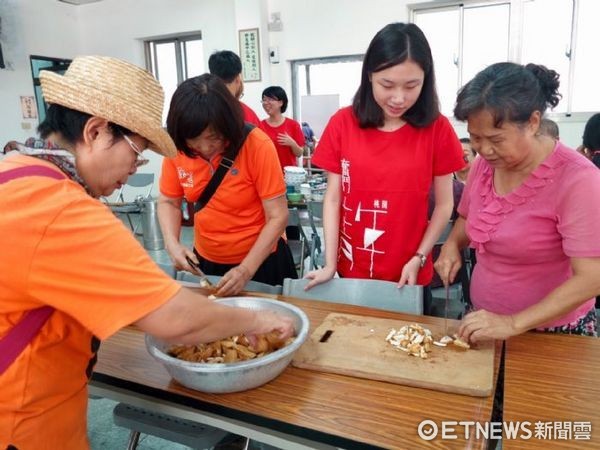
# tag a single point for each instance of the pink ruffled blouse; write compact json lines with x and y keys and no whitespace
{"x":524,"y":240}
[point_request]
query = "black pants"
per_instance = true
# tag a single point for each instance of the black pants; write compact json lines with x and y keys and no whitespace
{"x":277,"y":266}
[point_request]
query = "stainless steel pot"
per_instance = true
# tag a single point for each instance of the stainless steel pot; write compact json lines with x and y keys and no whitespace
{"x":239,"y":376}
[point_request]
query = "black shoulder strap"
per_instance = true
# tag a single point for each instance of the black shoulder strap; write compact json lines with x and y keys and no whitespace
{"x":224,"y":166}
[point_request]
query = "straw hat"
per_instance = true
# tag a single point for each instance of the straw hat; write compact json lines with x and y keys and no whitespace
{"x":116,"y":91}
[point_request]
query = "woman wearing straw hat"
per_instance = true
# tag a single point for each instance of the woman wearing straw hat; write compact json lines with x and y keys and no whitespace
{"x":237,"y":231}
{"x":82,"y":275}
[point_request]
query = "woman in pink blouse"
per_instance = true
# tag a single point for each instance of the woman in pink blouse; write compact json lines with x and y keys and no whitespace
{"x":526,"y":212}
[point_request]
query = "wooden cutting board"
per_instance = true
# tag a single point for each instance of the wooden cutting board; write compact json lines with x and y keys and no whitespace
{"x":356,"y":346}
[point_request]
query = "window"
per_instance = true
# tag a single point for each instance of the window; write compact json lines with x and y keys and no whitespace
{"x":173,"y":60}
{"x":39,"y":63}
{"x":325,"y":76}
{"x":466,"y":37}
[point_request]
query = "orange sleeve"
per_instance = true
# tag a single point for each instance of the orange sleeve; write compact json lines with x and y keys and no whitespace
{"x":265,"y":168}
{"x":169,"y":184}
{"x":88,"y":264}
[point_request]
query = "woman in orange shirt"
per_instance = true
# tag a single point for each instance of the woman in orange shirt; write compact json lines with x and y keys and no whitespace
{"x":73,"y":261}
{"x":237,"y":234}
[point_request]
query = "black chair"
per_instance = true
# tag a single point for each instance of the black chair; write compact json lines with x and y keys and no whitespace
{"x":315,"y":217}
{"x":300,"y":247}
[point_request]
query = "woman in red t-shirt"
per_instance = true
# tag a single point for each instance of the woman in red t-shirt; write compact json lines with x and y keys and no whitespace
{"x":382,"y":155}
{"x":285,"y":133}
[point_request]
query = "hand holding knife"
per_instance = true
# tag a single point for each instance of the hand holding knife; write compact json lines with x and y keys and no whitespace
{"x":204,"y":282}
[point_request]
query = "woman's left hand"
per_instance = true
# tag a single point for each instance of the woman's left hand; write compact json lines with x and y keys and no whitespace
{"x":285,"y":139}
{"x":410,"y":272}
{"x":233,"y":281}
{"x":483,"y":325}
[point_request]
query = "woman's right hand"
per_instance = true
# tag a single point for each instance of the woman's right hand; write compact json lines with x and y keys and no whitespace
{"x":448,"y":263}
{"x":319,"y":276}
{"x":179,"y":254}
{"x":267,"y":321}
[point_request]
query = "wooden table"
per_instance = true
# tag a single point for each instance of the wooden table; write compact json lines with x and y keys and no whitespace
{"x":300,"y":408}
{"x":553,"y":378}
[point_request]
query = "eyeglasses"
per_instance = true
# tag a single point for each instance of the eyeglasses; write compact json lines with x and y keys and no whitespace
{"x":269,"y":100}
{"x":140,"y":161}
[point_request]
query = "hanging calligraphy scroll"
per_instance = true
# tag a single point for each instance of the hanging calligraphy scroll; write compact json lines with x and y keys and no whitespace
{"x":250,"y":54}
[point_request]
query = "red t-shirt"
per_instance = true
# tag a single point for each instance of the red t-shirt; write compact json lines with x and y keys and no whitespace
{"x":386,"y":177}
{"x":249,"y":115}
{"x":291,"y":127}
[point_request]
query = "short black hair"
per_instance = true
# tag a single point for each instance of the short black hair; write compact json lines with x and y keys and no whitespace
{"x":69,"y":124}
{"x":549,"y":127}
{"x":591,"y":133}
{"x":278,"y":93}
{"x":394,"y":44}
{"x":201,"y":102}
{"x":509,"y":91}
{"x":225,"y":64}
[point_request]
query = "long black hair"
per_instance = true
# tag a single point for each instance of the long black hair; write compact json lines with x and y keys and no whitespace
{"x":394,"y":44}
{"x":591,"y":138}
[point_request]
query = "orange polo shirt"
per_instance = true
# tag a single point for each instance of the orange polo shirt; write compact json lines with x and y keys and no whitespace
{"x":227,"y":227}
{"x":64,"y":249}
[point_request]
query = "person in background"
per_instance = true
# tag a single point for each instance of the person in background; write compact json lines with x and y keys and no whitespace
{"x":526,"y":212}
{"x":237,"y":234}
{"x":591,"y":140}
{"x":468,"y":155}
{"x":382,"y":155}
{"x":285,"y":133}
{"x":228,"y":67}
{"x":549,"y":128}
{"x":73,"y":274}
{"x":309,"y":136}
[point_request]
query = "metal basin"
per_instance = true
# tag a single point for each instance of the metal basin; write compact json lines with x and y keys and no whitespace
{"x":239,"y":376}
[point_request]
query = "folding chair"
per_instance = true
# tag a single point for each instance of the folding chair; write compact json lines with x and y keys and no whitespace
{"x":315,"y":217}
{"x":364,"y":292}
{"x":300,"y":247}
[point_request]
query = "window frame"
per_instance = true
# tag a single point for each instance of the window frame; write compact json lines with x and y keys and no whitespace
{"x":58,"y":65}
{"x":180,"y":41}
{"x":307,"y":62}
{"x":515,"y":30}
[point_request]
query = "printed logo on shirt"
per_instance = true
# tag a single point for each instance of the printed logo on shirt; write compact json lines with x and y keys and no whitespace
{"x":186,"y":178}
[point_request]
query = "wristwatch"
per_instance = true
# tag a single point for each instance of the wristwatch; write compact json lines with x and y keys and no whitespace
{"x":422,"y":257}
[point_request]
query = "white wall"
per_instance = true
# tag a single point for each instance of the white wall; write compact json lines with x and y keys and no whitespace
{"x":30,"y":27}
{"x":311,"y":28}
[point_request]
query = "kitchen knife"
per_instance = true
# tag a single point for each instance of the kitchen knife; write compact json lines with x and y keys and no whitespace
{"x":446,"y":310}
{"x":204,"y":281}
